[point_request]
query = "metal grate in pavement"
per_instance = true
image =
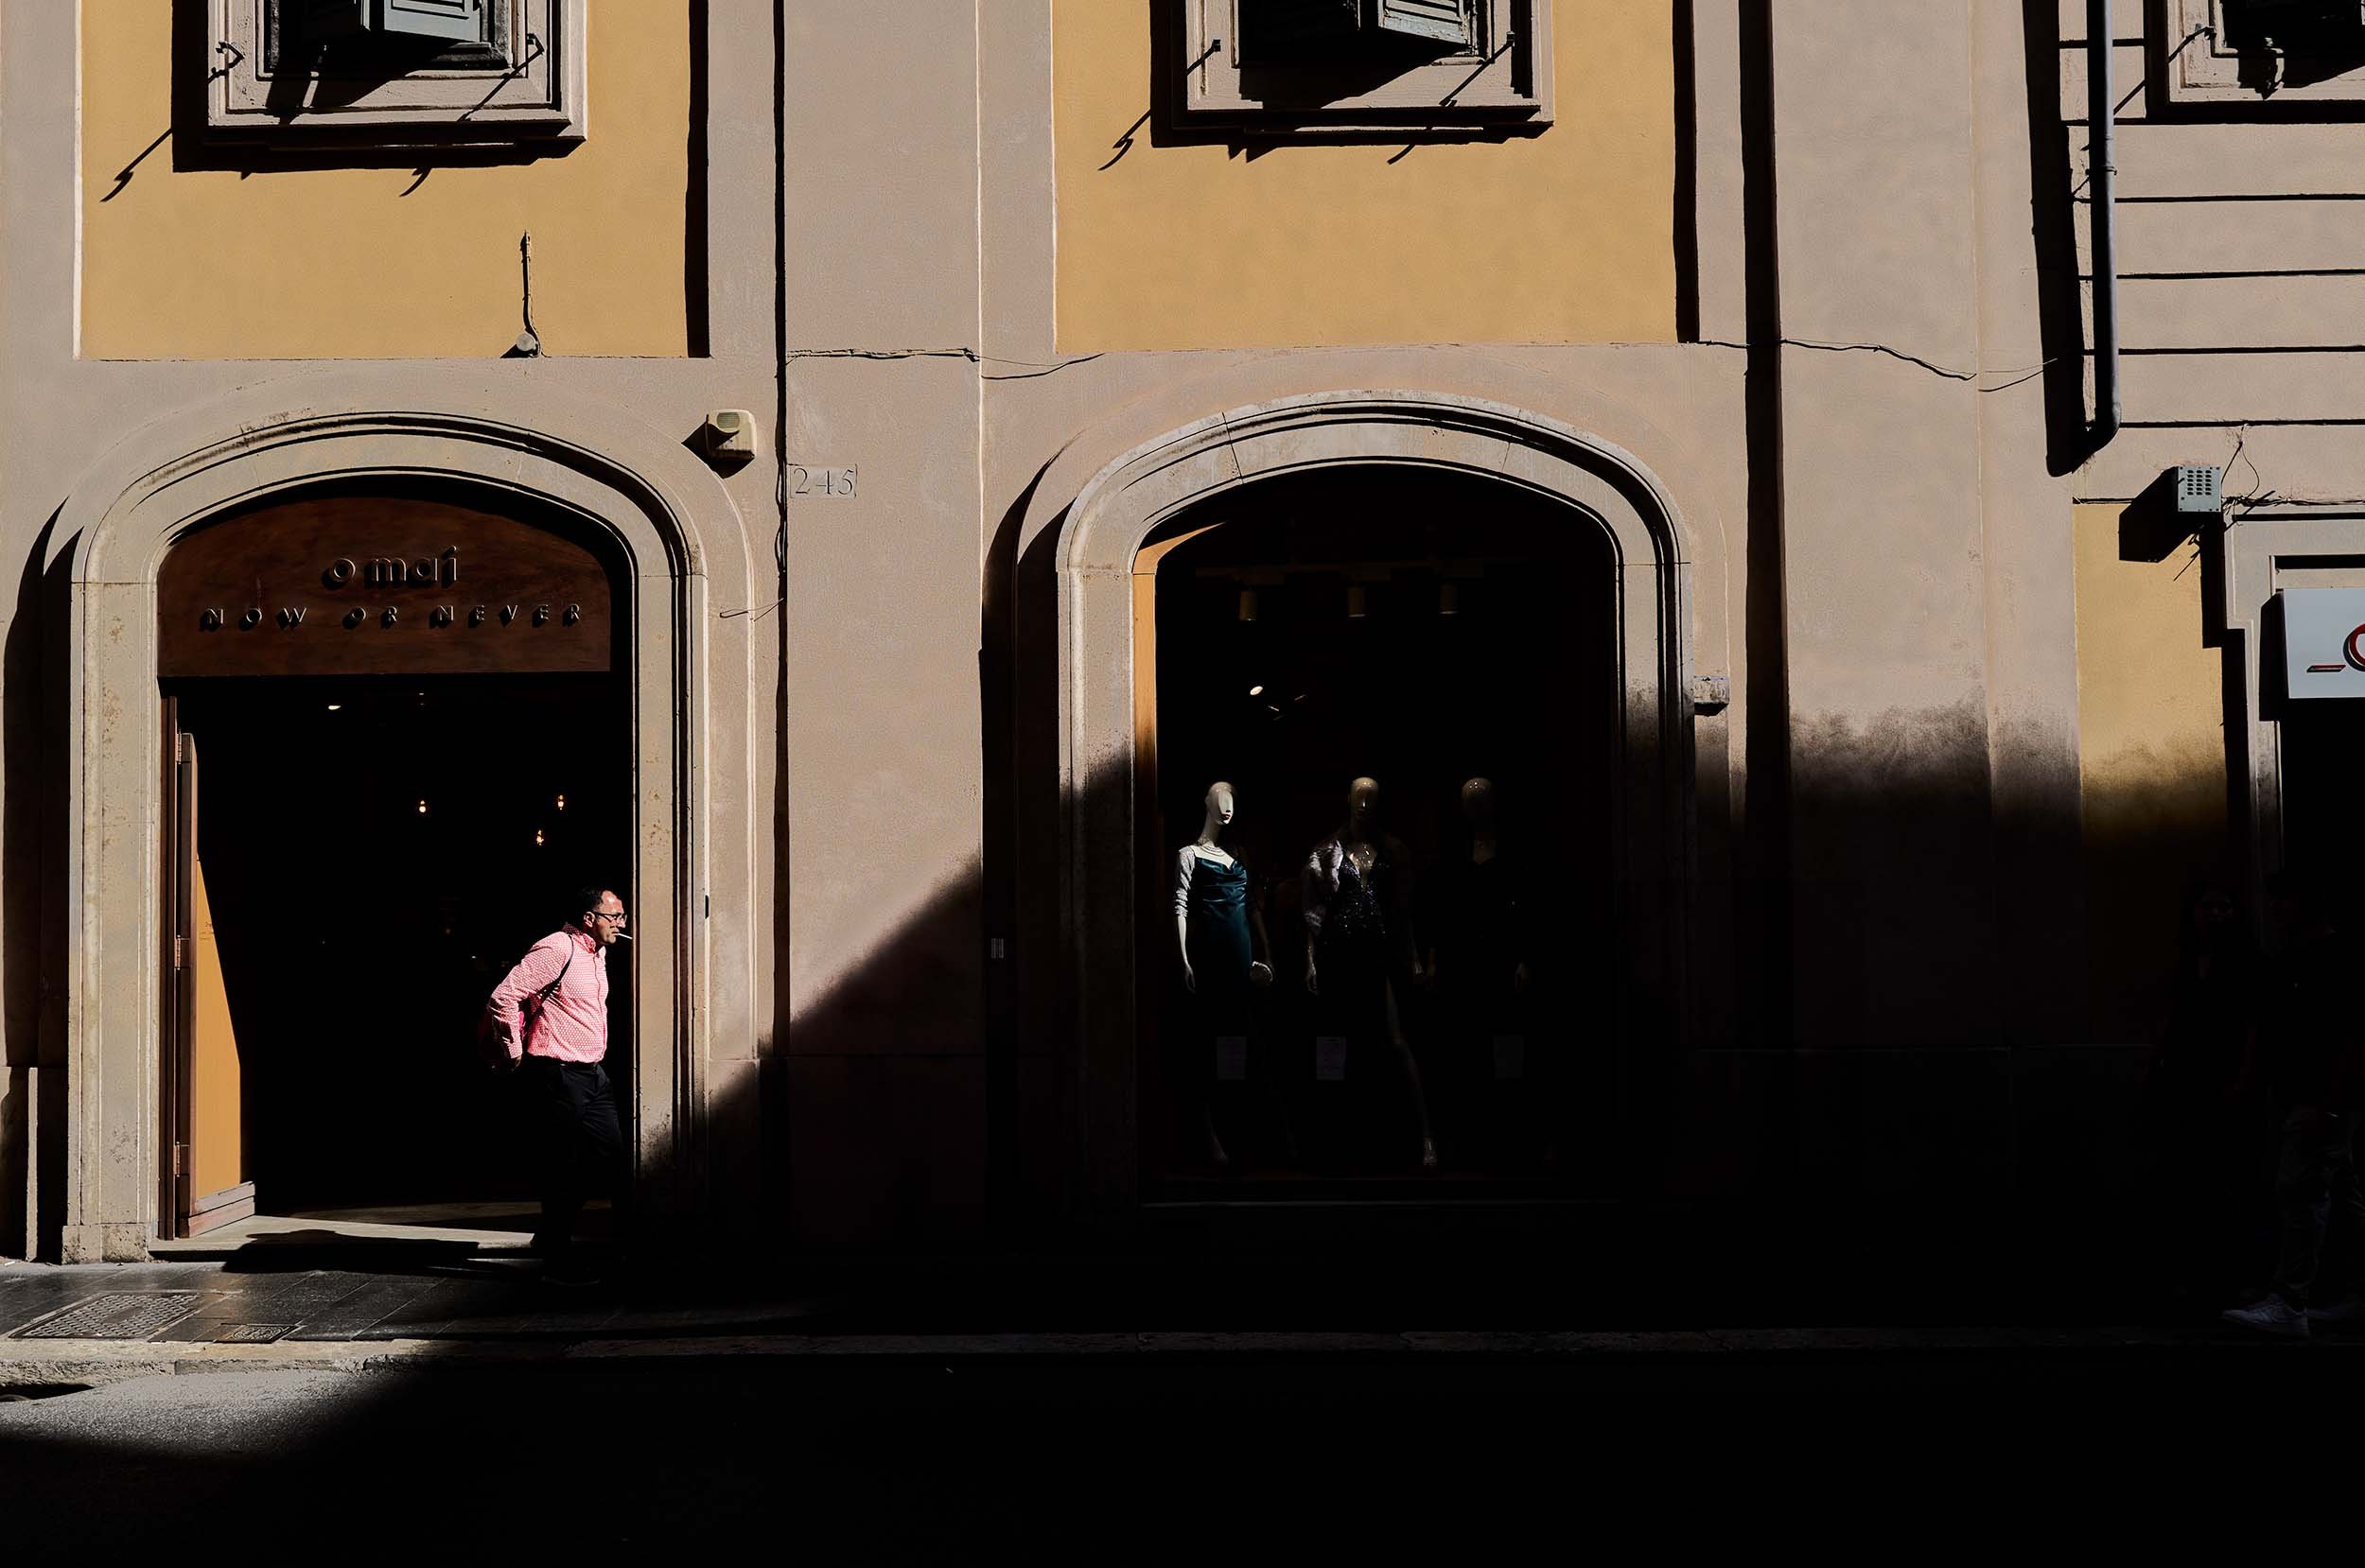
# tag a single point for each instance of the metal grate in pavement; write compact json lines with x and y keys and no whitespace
{"x":127,"y":1316}
{"x":254,"y":1333}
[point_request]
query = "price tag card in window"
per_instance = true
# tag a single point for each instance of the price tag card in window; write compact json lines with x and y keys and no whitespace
{"x":1231,"y":1059}
{"x":1511,"y":1057}
{"x":1330,"y":1057}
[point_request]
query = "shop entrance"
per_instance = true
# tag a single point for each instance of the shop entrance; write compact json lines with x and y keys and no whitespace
{"x":1454,"y":642}
{"x":2324,"y":749}
{"x":396,"y":745}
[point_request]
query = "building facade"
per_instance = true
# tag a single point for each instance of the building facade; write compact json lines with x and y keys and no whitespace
{"x":918,"y":455}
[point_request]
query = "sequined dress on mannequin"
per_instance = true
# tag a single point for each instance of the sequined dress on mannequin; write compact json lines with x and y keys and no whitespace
{"x":1356,"y":941}
{"x":1360,"y":950}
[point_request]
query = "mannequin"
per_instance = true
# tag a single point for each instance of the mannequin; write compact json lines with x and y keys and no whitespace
{"x":1218,"y":936}
{"x":1477,"y":959}
{"x":1358,"y":937}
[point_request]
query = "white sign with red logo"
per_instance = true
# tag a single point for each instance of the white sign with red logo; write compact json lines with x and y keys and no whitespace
{"x":2324,"y":641}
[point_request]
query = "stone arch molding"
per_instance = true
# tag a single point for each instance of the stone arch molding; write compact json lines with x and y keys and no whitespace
{"x":649,"y":497}
{"x":1114,"y":512}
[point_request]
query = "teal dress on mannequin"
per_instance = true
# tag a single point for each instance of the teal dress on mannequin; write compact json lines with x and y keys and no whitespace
{"x":1213,"y":896}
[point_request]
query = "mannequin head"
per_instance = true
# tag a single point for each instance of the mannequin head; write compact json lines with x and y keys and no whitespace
{"x":1363,"y":807}
{"x":1478,"y":803}
{"x":1221,"y":805}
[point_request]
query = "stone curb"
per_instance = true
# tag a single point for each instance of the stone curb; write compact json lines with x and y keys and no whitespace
{"x":28,"y":1362}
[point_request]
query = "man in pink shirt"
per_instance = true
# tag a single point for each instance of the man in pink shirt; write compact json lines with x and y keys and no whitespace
{"x":549,"y":1014}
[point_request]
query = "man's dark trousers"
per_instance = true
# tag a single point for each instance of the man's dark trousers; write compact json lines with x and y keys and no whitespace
{"x":578,"y":1146}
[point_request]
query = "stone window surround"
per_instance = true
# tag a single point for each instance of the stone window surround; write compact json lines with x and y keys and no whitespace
{"x":1113,"y":513}
{"x":2199,"y":70}
{"x":181,"y":472}
{"x":535,"y":94}
{"x":1508,"y":86}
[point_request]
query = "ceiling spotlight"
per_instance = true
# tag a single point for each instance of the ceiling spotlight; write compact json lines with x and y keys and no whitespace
{"x":539,"y":837}
{"x":562,"y":803}
{"x":334,"y":707}
{"x":1248,"y":603}
{"x":422,"y":807}
{"x":1255,"y":691}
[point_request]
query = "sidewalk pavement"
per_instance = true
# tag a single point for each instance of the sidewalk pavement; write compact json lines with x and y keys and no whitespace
{"x":390,"y":1307}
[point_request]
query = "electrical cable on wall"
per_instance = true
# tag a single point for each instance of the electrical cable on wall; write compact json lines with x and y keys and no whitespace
{"x":529,"y":343}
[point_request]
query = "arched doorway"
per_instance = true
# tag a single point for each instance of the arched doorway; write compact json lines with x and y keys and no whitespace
{"x":399,"y":744}
{"x":657,"y":508}
{"x":1108,"y":569}
{"x":1453,"y":640}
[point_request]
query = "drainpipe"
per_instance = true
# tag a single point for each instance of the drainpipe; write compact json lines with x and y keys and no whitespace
{"x":2101,"y":109}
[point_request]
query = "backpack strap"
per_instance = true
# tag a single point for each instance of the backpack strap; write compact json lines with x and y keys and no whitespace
{"x":542,"y":1002}
{"x":544,"y":995}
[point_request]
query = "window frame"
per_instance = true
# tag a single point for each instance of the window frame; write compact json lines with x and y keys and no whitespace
{"x":2199,"y":69}
{"x":1506,"y":85}
{"x":507,"y":91}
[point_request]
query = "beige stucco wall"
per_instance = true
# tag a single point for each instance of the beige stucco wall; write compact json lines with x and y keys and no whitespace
{"x":1566,"y":237}
{"x":320,"y":263}
{"x":2151,"y":751}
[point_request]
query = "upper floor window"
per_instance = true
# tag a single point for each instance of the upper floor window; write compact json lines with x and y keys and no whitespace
{"x":396,"y":72}
{"x":2232,"y":52}
{"x":1388,"y":67}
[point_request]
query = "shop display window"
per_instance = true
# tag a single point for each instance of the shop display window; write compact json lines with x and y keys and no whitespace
{"x":1385,"y":750}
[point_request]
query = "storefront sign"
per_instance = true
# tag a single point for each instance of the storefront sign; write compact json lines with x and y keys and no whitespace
{"x":376,"y":585}
{"x":2324,"y":641}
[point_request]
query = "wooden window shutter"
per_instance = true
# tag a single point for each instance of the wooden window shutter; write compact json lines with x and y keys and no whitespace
{"x":457,"y":21}
{"x":1437,"y":20}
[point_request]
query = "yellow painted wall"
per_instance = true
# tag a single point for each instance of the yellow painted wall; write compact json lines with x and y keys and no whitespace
{"x":2152,"y":750}
{"x":1564,"y":237}
{"x":340,"y":263}
{"x":217,"y":1135}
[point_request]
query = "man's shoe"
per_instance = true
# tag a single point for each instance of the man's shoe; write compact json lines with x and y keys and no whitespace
{"x":2272,"y":1315}
{"x":2347,"y":1315}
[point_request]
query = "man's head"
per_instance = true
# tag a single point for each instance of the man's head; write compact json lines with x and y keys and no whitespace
{"x":601,"y":913}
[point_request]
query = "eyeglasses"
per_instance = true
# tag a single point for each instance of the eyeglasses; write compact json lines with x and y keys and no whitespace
{"x":602,"y":915}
